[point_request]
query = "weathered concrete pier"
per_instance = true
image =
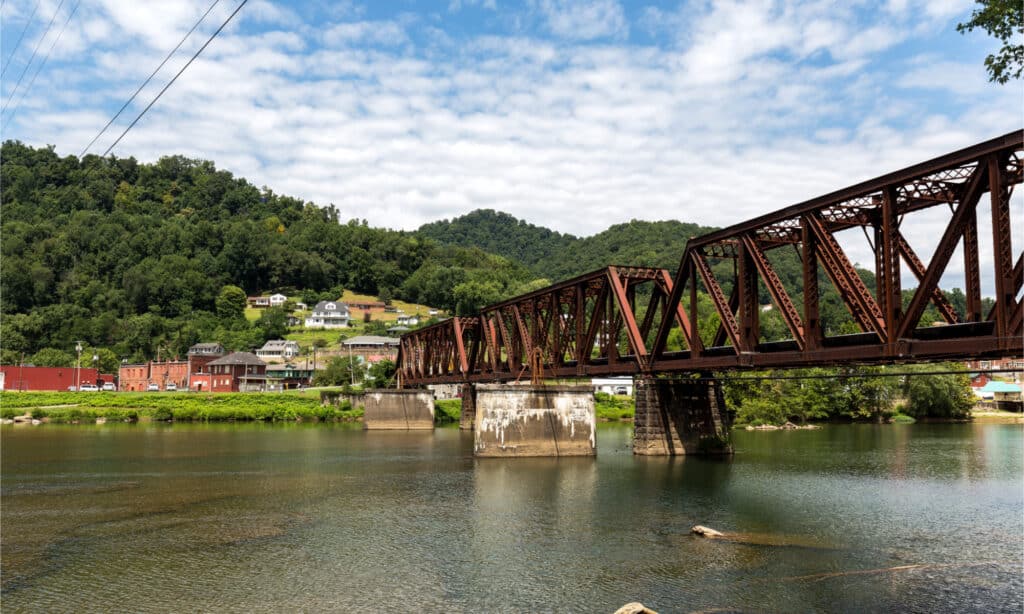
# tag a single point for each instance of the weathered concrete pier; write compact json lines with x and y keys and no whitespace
{"x":676,"y":417}
{"x":527,"y":420}
{"x":468,"y":416}
{"x":398,"y":409}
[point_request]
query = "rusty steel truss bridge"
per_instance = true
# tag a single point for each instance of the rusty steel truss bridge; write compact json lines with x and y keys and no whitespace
{"x":620,"y":320}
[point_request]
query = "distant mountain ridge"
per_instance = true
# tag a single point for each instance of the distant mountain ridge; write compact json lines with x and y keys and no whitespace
{"x":556,"y":256}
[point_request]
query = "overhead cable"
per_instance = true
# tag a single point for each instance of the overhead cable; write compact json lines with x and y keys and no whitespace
{"x":33,"y":56}
{"x":20,"y":38}
{"x":42,"y":64}
{"x":171,"y":82}
{"x":148,"y":79}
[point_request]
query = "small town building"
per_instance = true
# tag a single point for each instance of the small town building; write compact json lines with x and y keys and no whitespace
{"x":1002,"y":395}
{"x":328,"y":314}
{"x":138,"y":377}
{"x":613,"y":385}
{"x":277,"y":300}
{"x":371,"y":348}
{"x":259,"y":302}
{"x":289,"y":375}
{"x":236,"y":372}
{"x":26,"y":378}
{"x":280,"y":349}
{"x":407,"y":320}
{"x":369,"y":306}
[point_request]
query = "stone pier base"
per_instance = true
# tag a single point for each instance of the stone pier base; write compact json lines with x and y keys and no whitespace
{"x":468,"y":415}
{"x":398,"y":409}
{"x":675,"y":417}
{"x":526,"y":420}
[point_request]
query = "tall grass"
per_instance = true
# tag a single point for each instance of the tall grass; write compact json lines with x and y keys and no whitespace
{"x":184,"y":406}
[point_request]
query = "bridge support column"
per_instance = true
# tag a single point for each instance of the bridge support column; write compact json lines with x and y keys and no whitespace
{"x":398,"y":409}
{"x":675,"y":417}
{"x":514,"y":420}
{"x":468,"y":415}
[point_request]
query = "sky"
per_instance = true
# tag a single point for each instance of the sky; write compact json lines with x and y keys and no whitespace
{"x":570,"y":115}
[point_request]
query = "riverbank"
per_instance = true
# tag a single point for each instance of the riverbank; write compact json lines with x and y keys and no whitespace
{"x":81,"y":407}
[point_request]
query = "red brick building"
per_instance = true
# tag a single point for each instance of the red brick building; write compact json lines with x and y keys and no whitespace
{"x":25,"y":378}
{"x":139,"y":376}
{"x":237,"y":372}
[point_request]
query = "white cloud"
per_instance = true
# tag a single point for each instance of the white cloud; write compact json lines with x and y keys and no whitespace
{"x":753,"y":107}
{"x":584,"y":19}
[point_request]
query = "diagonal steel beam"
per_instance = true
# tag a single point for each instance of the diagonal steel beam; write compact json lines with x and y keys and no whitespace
{"x":954,"y":230}
{"x":777,"y":291}
{"x":718,"y":297}
{"x":946,"y":310}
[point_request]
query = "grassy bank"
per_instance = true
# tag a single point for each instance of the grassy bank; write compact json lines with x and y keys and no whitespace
{"x":613,"y":408}
{"x":66,"y":407}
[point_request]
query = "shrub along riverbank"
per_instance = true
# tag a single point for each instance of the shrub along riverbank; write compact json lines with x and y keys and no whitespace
{"x":68,"y":407}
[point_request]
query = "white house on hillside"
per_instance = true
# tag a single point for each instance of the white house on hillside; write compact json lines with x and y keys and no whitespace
{"x":276,"y":300}
{"x":278,"y":348}
{"x":328,"y":314}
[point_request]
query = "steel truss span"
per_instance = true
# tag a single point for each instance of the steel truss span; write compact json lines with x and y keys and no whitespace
{"x":626,"y":320}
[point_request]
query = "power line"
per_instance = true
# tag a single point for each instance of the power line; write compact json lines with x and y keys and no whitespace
{"x":20,"y":38}
{"x":171,"y":82}
{"x":34,"y":51}
{"x":148,"y":79}
{"x":43,"y":63}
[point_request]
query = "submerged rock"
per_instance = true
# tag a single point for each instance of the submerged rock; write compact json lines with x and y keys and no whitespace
{"x":706,"y":531}
{"x":635,"y":608}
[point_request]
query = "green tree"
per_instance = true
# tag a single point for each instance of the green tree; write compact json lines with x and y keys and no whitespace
{"x":939,"y":396}
{"x":1004,"y":20}
{"x":231,"y":303}
{"x":273,"y":323}
{"x":51,"y":357}
{"x":381,"y":375}
{"x":340,"y":371}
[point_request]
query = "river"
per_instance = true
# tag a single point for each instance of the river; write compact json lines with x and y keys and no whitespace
{"x":254,"y":517}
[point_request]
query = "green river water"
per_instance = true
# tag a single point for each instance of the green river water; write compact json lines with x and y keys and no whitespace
{"x":289,"y":518}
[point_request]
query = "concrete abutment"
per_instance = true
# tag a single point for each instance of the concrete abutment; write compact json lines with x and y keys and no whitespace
{"x":527,"y":420}
{"x":676,"y":417}
{"x":398,"y":409}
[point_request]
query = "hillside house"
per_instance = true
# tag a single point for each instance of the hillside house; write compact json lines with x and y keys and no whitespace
{"x":407,"y":320}
{"x":328,"y":314}
{"x":278,"y":348}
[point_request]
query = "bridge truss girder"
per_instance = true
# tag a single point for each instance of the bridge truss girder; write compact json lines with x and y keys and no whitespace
{"x":604,"y":323}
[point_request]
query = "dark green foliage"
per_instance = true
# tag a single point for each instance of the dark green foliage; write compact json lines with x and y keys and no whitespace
{"x":231,"y":303}
{"x":381,"y":375}
{"x":612,"y":408}
{"x":939,"y":396}
{"x":139,"y":257}
{"x":340,"y":371}
{"x":273,"y":323}
{"x":1004,"y":20}
{"x":826,"y":393}
{"x":447,"y":411}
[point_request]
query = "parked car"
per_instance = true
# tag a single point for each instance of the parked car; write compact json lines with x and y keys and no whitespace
{"x":109,"y":386}
{"x":153,"y":388}
{"x":172,"y":387}
{"x":89,"y":388}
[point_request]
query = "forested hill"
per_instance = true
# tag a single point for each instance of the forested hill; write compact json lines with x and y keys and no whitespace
{"x":132,"y":256}
{"x":558,"y":256}
{"x":499,"y":233}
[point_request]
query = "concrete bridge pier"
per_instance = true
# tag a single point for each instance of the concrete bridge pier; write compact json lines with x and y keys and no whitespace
{"x":468,"y":416}
{"x":387,"y":409}
{"x":675,"y":417}
{"x":527,"y":420}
